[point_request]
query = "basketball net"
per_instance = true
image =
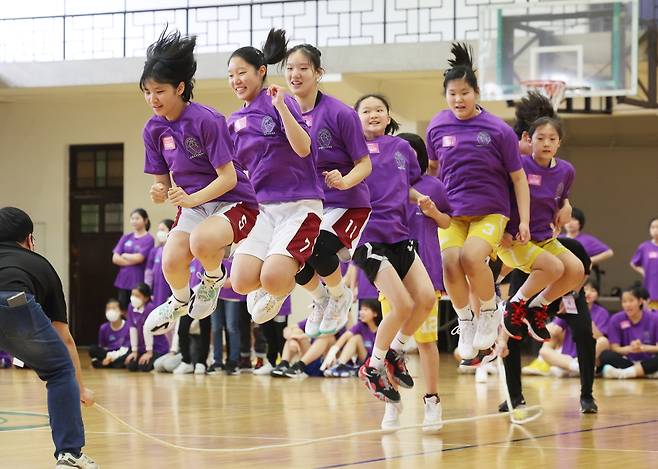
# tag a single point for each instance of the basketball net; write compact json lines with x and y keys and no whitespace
{"x":553,"y":89}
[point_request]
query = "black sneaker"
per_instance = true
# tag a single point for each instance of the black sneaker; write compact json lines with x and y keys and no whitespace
{"x":296,"y":371}
{"x":280,"y":370}
{"x":514,"y":322}
{"x":231,"y":368}
{"x":483,"y":357}
{"x":536,"y":321}
{"x":377,"y":382}
{"x":516,"y":402}
{"x":215,"y":368}
{"x":397,"y":367}
{"x":588,"y":405}
{"x":95,"y":363}
{"x":245,"y":364}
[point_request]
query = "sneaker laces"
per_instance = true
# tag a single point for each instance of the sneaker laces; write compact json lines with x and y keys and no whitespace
{"x":316,"y":311}
{"x":541,"y":316}
{"x":400,"y":361}
{"x":518,"y":313}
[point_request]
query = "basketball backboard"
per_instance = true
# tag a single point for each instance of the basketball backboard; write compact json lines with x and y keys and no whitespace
{"x":592,"y":45}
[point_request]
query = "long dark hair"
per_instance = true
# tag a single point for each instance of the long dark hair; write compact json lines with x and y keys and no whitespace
{"x":274,"y":51}
{"x":461,"y":66}
{"x":531,"y":107}
{"x":171,"y":60}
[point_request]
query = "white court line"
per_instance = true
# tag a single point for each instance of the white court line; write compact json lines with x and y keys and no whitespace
{"x":611,"y":450}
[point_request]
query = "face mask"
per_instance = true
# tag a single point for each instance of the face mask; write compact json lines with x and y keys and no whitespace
{"x":162,"y":236}
{"x":136,"y":302}
{"x":112,"y":314}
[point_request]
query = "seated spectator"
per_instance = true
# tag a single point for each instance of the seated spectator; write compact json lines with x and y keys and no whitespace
{"x":144,"y":347}
{"x":272,"y":332}
{"x":113,"y":339}
{"x":355,"y":342}
{"x":645,"y":262}
{"x":168,"y":362}
{"x":230,"y":310}
{"x":6,"y":359}
{"x":633,"y":336}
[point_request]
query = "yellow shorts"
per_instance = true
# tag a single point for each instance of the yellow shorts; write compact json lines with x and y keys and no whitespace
{"x":429,"y":330}
{"x":523,"y":256}
{"x":489,"y":228}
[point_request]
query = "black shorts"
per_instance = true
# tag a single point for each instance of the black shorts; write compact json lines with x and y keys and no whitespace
{"x":370,"y":256}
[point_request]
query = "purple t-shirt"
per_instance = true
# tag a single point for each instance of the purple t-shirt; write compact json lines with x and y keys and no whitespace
{"x":196,"y":273}
{"x":109,"y":339}
{"x":368,"y":336}
{"x":286,"y":307}
{"x":129,"y":276}
{"x":646,"y":257}
{"x":228,"y":293}
{"x":549,"y":187}
{"x":155,"y":277}
{"x":622,"y":331}
{"x":191,"y":148}
{"x":593,"y":246}
{"x":277,"y":173}
{"x":366,"y":289}
{"x":137,"y":320}
{"x":600,"y":317}
{"x":337,"y":135}
{"x":394,"y":170}
{"x":425,"y":230}
{"x":475,"y":158}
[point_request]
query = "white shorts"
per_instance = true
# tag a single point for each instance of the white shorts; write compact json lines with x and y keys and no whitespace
{"x":286,"y":228}
{"x":241,"y":217}
{"x":347,"y":225}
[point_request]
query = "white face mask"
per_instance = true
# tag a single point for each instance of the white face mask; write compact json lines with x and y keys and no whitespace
{"x":162,"y":236}
{"x":136,"y":302}
{"x":112,"y":314}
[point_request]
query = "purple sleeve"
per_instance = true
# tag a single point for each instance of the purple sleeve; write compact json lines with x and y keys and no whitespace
{"x":148,"y":271}
{"x":413,"y":171}
{"x":597,"y":246}
{"x":302,"y":324}
{"x":561,"y":323}
{"x":217,"y":141}
{"x":356,"y":329}
{"x":102,"y":337}
{"x":602,"y":321}
{"x":509,"y":149}
{"x":440,"y":198}
{"x":118,"y":249}
{"x":154,"y":162}
{"x":614,"y":332}
{"x":296,"y":113}
{"x":145,"y":245}
{"x":568,"y":183}
{"x":352,"y":134}
{"x":431,"y":154}
{"x":638,"y":257}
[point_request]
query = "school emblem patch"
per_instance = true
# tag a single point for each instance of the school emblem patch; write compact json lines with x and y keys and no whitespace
{"x":267,"y":125}
{"x":324,"y":139}
{"x":193,"y":148}
{"x":483,"y":138}
{"x":400,"y":160}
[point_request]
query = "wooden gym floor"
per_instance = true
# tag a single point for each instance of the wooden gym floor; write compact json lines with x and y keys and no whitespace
{"x":218,"y":411}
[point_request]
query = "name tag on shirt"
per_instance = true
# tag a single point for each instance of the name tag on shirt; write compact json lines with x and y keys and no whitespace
{"x":653,"y":255}
{"x":569,"y":304}
{"x":448,"y":141}
{"x":625,"y":324}
{"x":534,"y":179}
{"x":168,"y":143}
{"x":373,"y":147}
{"x":240,"y":124}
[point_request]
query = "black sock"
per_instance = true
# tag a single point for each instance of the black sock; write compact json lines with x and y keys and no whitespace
{"x":427,"y":396}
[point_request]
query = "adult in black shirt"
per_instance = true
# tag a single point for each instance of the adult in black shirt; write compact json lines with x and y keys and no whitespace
{"x":581,"y":328}
{"x":33,"y":328}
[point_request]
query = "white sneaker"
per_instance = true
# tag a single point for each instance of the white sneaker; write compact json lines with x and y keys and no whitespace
{"x":481,"y":374}
{"x":337,"y":312}
{"x":199,"y":369}
{"x":163,"y":318}
{"x":433,"y":421}
{"x":610,"y":371}
{"x":557,"y":372}
{"x":391,"y":419}
{"x":466,"y":330}
{"x":263,"y":306}
{"x":172,"y":362}
{"x":205,"y":296}
{"x":65,"y":460}
{"x":487,"y":327}
{"x":264,"y":370}
{"x":184,"y":369}
{"x":318,"y":308}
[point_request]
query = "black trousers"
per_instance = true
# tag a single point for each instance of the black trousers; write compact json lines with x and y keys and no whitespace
{"x":184,"y":339}
{"x":273,"y":334}
{"x":581,"y":330}
{"x":608,"y":357}
{"x":98,"y":354}
{"x":245,"y":331}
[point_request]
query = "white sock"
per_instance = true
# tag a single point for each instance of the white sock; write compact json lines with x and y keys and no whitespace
{"x":539,"y":301}
{"x":629,"y":372}
{"x":319,"y":292}
{"x":377,"y":358}
{"x":488,"y":305}
{"x":573,"y":366}
{"x":399,"y":342}
{"x":181,"y":295}
{"x":464,"y":313}
{"x":215,"y":274}
{"x":500,"y":279}
{"x":519,"y":296}
{"x":337,"y":290}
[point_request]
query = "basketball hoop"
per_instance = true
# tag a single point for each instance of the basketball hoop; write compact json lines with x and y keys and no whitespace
{"x":553,"y":89}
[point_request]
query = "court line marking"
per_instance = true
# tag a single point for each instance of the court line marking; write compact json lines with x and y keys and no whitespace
{"x":298,"y":443}
{"x":494,"y":443}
